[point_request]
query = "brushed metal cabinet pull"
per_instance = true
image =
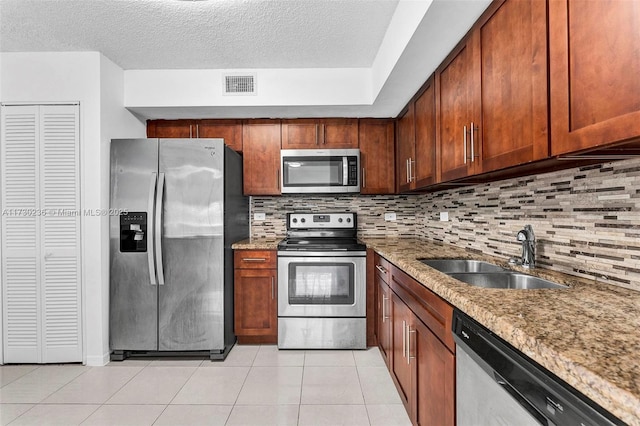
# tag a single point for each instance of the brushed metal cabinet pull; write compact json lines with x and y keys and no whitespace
{"x":197,"y":131}
{"x":364,"y":178}
{"x":473,"y":157}
{"x":253,"y":259}
{"x":407,"y":161}
{"x":464,"y":146}
{"x":273,"y":289}
{"x":404,"y":338}
{"x":381,"y":269}
{"x":409,"y":357}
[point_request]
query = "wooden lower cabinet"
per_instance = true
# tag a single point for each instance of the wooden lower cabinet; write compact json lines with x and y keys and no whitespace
{"x":384,"y":319}
{"x":401,"y":363}
{"x":414,"y":337}
{"x":433,"y":373}
{"x":255,"y":296}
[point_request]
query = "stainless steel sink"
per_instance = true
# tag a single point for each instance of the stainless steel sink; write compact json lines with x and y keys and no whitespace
{"x":505,"y":280}
{"x":449,"y":266}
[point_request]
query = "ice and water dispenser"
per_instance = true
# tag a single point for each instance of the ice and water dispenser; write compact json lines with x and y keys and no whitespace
{"x":133,"y":232}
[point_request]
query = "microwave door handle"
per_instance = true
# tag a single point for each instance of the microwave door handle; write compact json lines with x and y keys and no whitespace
{"x":345,"y":171}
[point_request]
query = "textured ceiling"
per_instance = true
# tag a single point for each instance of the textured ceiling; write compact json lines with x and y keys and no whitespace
{"x":216,"y":34}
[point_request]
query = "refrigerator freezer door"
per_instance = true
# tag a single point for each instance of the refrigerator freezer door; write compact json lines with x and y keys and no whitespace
{"x":133,"y":290}
{"x":191,"y":306}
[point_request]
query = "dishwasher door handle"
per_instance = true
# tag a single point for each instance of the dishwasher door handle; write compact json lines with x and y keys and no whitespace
{"x":521,"y":400}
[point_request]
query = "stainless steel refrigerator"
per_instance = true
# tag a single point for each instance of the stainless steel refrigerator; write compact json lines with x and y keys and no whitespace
{"x":176,"y":208}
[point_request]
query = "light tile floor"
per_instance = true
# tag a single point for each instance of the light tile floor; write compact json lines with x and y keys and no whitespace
{"x":255,"y":385}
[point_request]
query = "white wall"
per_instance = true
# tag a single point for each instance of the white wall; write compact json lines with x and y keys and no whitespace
{"x":275,"y":87}
{"x":76,"y":77}
{"x":115,"y":122}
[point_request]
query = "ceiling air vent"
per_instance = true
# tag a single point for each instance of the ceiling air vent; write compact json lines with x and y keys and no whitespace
{"x":240,"y":84}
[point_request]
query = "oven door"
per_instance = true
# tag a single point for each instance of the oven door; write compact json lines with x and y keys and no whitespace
{"x":321,"y":285}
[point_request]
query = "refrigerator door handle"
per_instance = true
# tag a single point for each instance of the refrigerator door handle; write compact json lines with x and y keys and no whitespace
{"x":158,"y":228}
{"x":151,"y":251}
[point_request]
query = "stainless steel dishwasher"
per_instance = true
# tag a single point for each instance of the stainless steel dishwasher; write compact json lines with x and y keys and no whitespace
{"x":498,"y":385}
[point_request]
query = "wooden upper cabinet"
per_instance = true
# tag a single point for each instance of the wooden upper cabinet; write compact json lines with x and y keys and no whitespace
{"x":457,"y":109}
{"x":405,"y":147}
{"x":229,"y":130}
{"x":183,"y":129}
{"x":319,"y":133}
{"x":377,"y":156}
{"x":340,"y":133}
{"x":594,"y":62}
{"x":300,"y":134}
{"x":492,"y":93}
{"x":512,"y":37}
{"x":424,"y":170}
{"x":261,"y":157}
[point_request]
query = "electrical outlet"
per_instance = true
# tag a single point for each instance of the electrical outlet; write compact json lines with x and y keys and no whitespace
{"x":389,"y":217}
{"x":259,"y":216}
{"x":444,"y":216}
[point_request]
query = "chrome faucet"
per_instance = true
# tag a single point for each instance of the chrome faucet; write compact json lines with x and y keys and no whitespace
{"x":528,"y":239}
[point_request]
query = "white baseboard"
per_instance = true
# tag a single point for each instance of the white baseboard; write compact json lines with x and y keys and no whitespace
{"x":98,"y":360}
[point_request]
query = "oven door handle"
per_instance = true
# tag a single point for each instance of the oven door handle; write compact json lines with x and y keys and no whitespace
{"x":345,"y":171}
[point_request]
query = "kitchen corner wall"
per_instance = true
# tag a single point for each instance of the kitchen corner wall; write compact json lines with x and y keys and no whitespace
{"x":586,"y":220}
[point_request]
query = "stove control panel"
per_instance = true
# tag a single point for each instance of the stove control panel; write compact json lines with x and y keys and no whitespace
{"x":324,"y":220}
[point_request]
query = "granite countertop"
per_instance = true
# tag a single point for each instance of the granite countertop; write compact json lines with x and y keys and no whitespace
{"x":588,"y":335}
{"x":257,"y":244}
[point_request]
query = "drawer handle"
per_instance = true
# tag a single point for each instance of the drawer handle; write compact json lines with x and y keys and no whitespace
{"x":381,"y":269}
{"x":253,"y":259}
{"x":273,"y":292}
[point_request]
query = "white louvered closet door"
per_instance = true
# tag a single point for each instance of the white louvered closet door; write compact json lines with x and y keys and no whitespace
{"x":41,"y":234}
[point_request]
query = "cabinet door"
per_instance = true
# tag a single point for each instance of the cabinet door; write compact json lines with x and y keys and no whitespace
{"x":457,"y":85}
{"x":425,"y":138}
{"x":261,"y":157}
{"x":183,"y":129}
{"x":399,"y":360}
{"x":376,"y":157}
{"x":229,"y":130}
{"x":433,"y":375}
{"x":594,"y":66}
{"x":405,"y":150}
{"x":255,"y":312}
{"x":384,"y":327}
{"x":40,"y":264}
{"x":339,"y":133}
{"x":513,"y":54}
{"x":301,"y":134}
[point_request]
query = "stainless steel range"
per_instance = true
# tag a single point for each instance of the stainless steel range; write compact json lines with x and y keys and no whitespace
{"x":321,"y":283}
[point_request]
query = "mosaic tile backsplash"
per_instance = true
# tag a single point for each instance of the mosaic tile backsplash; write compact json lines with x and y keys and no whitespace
{"x":586,"y":220}
{"x":370,"y":211}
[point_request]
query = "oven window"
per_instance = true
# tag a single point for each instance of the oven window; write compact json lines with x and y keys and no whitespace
{"x":321,"y":283}
{"x":310,"y":171}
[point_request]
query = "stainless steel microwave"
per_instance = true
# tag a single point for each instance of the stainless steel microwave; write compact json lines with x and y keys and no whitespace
{"x":320,"y":171}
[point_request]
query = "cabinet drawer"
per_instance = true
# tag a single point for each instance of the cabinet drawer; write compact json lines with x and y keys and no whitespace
{"x":430,"y":308}
{"x":255,"y":259}
{"x":383,"y":268}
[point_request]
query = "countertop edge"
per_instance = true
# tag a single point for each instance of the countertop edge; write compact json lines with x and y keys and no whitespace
{"x":602,"y":391}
